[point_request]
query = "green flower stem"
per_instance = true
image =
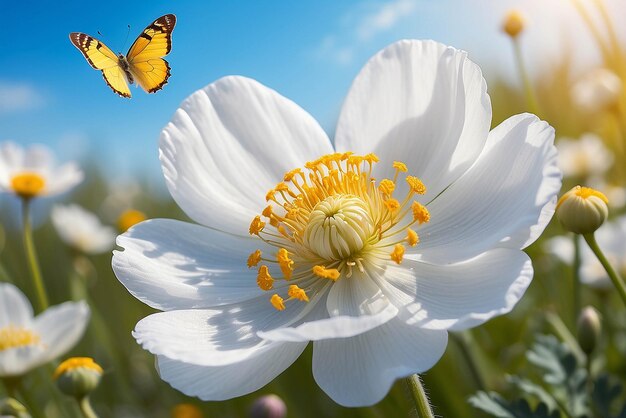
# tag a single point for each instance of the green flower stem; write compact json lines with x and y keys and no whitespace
{"x":31,"y":254}
{"x":531,"y":99}
{"x":85,"y":407}
{"x":576,"y":280}
{"x":422,"y":405}
{"x":617,"y":281}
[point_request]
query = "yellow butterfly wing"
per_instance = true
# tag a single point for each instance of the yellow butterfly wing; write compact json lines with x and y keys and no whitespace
{"x":100,"y":57}
{"x":144,"y":57}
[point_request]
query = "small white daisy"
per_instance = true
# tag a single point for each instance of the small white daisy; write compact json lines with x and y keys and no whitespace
{"x":584,"y":157}
{"x":33,"y":172}
{"x":611,"y":237}
{"x":27,"y":342}
{"x":82,"y":230}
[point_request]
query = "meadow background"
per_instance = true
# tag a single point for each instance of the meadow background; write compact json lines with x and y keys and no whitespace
{"x":309,"y":52}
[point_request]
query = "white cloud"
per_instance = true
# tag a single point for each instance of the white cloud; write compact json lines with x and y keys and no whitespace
{"x":385,"y":18}
{"x":19,"y":97}
{"x":361,"y":25}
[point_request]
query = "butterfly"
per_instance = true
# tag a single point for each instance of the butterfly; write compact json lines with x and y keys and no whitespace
{"x":143,"y":64}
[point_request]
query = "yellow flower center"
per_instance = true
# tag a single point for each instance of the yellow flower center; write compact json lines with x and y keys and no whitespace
{"x":331,"y":218}
{"x":129,"y":218}
{"x":75,"y":363}
{"x":15,"y":337}
{"x":28,"y":185}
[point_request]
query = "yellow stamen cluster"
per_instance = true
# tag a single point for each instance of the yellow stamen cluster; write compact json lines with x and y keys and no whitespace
{"x":28,"y":185}
{"x":75,"y":363}
{"x":331,"y":219}
{"x":15,"y":336}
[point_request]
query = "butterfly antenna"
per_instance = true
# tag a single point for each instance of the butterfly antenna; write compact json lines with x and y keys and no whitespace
{"x":126,"y":40}
{"x":100,"y":33}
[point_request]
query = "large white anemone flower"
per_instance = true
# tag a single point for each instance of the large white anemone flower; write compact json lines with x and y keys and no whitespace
{"x":27,"y":342}
{"x":82,"y":230}
{"x":411,"y":225}
{"x":33,"y":172}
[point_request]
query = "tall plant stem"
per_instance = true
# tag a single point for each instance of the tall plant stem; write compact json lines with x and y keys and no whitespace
{"x":422,"y":405}
{"x":31,"y":255}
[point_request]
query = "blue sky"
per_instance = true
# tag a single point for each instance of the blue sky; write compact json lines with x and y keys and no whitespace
{"x":309,"y":51}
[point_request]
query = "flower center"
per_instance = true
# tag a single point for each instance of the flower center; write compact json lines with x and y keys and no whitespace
{"x":331,"y":219}
{"x":14,"y":337}
{"x":338,"y":227}
{"x":27,"y":184}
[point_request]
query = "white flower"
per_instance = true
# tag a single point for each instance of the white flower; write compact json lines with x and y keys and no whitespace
{"x":597,"y":90}
{"x":33,"y":172}
{"x":27,"y":342}
{"x":584,"y":157}
{"x":611,"y":239}
{"x":380,"y":303}
{"x":82,"y":230}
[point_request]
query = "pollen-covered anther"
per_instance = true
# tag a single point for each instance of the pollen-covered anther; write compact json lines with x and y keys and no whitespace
{"x":264,"y":279}
{"x":398,"y":253}
{"x":285,"y":263}
{"x":256,"y":226}
{"x":15,"y":337}
{"x":416,"y":185}
{"x":392,"y":205}
{"x":386,"y":187}
{"x":295,"y":292}
{"x":277,"y":302}
{"x":420,"y":213}
{"x":28,"y":185}
{"x":254,"y":258}
{"x":324,"y":273}
{"x":400,"y":166}
{"x":268,"y":211}
{"x":411,"y":237}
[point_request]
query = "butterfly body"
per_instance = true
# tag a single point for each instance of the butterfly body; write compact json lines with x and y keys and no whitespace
{"x":143,"y":64}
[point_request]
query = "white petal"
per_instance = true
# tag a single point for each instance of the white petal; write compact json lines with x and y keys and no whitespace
{"x":359,"y":371}
{"x":61,"y":327}
{"x":422,"y":103}
{"x":217,"y":383}
{"x":11,"y":159}
{"x":170,"y":264}
{"x":15,"y":309}
{"x":466,"y":294}
{"x":38,"y":158}
{"x":63,"y":178}
{"x":319,"y":326}
{"x":229,"y":144}
{"x":20,"y":360}
{"x":506,"y":199}
{"x":214,"y":337}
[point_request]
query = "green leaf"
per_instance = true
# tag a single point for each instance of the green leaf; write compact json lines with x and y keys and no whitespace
{"x":606,"y":393}
{"x":493,"y":404}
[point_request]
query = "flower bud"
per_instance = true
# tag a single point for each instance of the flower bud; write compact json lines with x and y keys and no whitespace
{"x":268,"y":406}
{"x":513,"y":23}
{"x":129,"y":218}
{"x":582,"y":210}
{"x":78,"y":376}
{"x":589,"y":329}
{"x":10,"y":407}
{"x":186,"y":410}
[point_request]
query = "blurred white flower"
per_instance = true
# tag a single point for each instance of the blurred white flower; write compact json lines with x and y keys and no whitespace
{"x":82,"y":230}
{"x":339,"y":261}
{"x":611,"y":239}
{"x":583,"y":157}
{"x":33,"y":172}
{"x":597,"y":90}
{"x":616,"y":194}
{"x":27,"y":342}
